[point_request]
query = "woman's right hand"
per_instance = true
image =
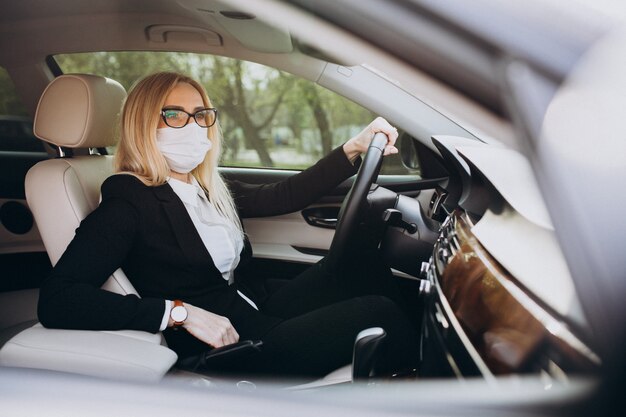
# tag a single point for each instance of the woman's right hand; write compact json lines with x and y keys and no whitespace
{"x":212,"y":329}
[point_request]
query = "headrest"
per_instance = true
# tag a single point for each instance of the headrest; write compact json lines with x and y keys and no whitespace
{"x":79,"y":111}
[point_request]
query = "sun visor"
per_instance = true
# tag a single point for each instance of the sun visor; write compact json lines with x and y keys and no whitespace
{"x":255,"y":34}
{"x":180,"y":33}
{"x":243,"y":27}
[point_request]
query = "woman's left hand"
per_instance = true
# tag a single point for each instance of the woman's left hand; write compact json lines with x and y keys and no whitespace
{"x":359,"y":144}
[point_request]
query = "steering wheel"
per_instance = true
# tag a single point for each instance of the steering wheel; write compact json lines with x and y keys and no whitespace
{"x":355,"y":202}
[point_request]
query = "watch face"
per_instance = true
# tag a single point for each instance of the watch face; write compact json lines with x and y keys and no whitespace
{"x":179,"y":314}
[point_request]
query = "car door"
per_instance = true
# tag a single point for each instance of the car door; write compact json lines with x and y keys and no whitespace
{"x":305,"y":236}
{"x":23,"y":259}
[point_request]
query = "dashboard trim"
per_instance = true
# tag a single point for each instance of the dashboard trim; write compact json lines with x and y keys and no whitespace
{"x":456,"y":326}
{"x":509,"y":332}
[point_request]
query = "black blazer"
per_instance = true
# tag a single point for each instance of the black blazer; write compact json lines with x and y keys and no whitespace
{"x":148,"y":233}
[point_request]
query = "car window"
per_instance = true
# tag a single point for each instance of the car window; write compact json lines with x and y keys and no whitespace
{"x":16,"y":127}
{"x":269,"y":118}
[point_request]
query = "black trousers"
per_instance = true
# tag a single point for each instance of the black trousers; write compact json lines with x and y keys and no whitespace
{"x":322,"y":314}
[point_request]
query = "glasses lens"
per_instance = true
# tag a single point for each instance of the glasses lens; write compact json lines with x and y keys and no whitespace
{"x":175,"y":118}
{"x":206,"y":117}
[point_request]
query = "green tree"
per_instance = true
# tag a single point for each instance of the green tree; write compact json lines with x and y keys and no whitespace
{"x":124,"y":67}
{"x":252,"y":107}
{"x":318,"y":108}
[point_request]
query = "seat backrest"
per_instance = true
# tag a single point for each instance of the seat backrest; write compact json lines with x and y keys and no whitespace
{"x":80,"y":111}
{"x":75,"y":111}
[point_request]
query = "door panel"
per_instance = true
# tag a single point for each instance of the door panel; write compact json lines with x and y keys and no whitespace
{"x":277,"y":237}
{"x":23,"y":260}
{"x":289,"y":237}
{"x":15,"y":234}
{"x":18,"y":232}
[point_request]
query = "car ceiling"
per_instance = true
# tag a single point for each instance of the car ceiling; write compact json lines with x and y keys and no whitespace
{"x":124,"y":26}
{"x":452,"y":41}
{"x":33,"y":29}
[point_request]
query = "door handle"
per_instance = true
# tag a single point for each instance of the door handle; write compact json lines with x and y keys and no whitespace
{"x":322,"y":222}
{"x":325,"y":216}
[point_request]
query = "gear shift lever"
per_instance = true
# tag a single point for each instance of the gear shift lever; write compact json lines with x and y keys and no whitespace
{"x":367,"y":347}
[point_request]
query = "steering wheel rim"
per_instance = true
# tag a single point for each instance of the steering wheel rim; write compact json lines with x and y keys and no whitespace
{"x":354,"y":204}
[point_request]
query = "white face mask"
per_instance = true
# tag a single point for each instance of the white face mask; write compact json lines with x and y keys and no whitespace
{"x":184,"y":148}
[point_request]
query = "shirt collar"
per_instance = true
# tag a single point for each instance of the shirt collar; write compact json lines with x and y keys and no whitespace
{"x":188,"y":193}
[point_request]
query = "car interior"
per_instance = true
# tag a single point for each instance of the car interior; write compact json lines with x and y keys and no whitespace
{"x":461,"y":226}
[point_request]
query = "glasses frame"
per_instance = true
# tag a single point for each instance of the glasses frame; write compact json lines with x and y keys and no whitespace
{"x":189,"y":116}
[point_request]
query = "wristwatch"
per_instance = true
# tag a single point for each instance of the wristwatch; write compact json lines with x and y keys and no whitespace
{"x":178,"y":314}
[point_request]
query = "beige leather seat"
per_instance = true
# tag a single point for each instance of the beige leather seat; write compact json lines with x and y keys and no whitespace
{"x":80,"y":111}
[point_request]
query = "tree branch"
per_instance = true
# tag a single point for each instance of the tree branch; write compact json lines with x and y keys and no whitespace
{"x":276,"y":105}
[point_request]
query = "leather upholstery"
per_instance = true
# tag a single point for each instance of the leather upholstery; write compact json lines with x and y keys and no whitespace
{"x":61,"y":193}
{"x":79,"y":111}
{"x":127,"y":354}
{"x":75,"y":110}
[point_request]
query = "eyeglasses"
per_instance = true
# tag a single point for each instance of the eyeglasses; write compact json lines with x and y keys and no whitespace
{"x":179,"y":118}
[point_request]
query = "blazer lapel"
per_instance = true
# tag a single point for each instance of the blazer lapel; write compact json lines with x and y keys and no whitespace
{"x":184,"y":229}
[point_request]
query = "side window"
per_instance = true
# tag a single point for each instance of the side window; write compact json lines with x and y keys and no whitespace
{"x":16,"y":128}
{"x":276,"y":120}
{"x":269,"y":118}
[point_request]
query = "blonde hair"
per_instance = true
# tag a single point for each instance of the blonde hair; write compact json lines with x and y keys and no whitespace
{"x":137,"y":152}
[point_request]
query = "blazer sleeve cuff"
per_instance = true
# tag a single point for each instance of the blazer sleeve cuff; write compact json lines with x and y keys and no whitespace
{"x":340,"y":160}
{"x":151,"y":314}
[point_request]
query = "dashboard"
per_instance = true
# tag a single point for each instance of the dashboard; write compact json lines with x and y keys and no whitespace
{"x":496,"y":292}
{"x":479,"y":320}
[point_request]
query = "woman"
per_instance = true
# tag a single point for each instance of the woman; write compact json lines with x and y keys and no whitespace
{"x":173,"y":225}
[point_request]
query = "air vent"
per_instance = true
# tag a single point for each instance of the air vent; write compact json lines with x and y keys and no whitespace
{"x":448,"y":244}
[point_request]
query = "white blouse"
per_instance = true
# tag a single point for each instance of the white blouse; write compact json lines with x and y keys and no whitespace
{"x":220,"y":236}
